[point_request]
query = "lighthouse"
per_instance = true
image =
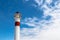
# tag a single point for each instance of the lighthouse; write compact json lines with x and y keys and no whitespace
{"x":17,"y":18}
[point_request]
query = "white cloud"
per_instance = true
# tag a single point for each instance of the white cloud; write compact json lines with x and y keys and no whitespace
{"x":30,"y":21}
{"x":43,"y":29}
{"x":48,"y":1}
{"x":39,"y":2}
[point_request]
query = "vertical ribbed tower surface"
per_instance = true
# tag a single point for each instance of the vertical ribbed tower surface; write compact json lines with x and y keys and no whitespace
{"x":17,"y":18}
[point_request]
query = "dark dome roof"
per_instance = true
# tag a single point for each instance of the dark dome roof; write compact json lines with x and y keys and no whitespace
{"x":17,"y":12}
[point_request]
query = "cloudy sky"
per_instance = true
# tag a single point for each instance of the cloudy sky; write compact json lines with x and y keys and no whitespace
{"x":40,"y":19}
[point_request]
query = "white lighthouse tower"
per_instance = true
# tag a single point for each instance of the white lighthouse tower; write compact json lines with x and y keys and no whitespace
{"x":17,"y":18}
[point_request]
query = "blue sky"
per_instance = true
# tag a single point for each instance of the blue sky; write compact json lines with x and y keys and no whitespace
{"x":7,"y":10}
{"x":39,"y":17}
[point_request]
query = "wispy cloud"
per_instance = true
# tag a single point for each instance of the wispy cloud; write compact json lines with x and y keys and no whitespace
{"x":43,"y":29}
{"x":30,"y":21}
{"x":39,"y":2}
